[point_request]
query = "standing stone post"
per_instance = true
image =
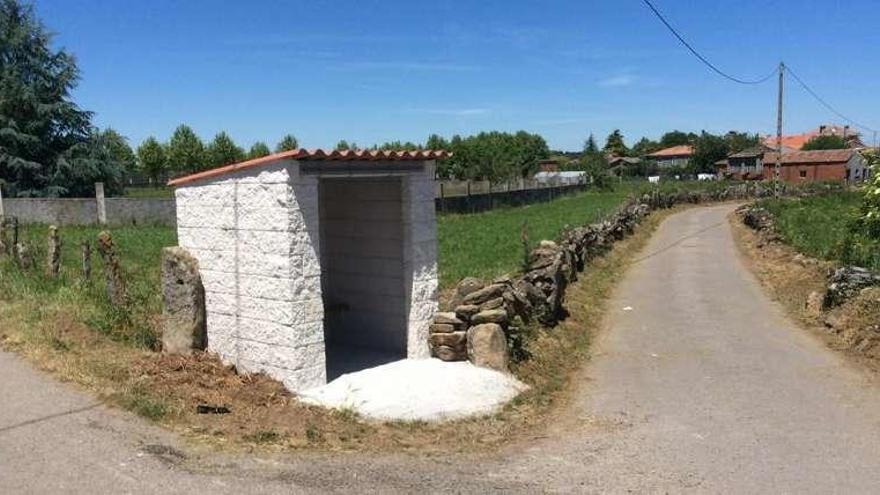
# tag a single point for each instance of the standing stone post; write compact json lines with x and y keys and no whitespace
{"x":23,"y":255}
{"x":183,"y":303}
{"x":86,"y":270}
{"x":53,"y":252}
{"x":112,"y":271}
{"x":2,"y":211}
{"x":102,"y":206}
{"x":7,"y":242}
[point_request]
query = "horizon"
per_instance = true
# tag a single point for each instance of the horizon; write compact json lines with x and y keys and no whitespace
{"x":394,"y":71}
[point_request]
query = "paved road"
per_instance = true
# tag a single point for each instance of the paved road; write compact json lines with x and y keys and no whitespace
{"x":699,"y":384}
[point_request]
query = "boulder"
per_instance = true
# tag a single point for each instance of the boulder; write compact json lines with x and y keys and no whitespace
{"x":466,"y":311}
{"x":448,"y":318}
{"x":183,"y":298}
{"x":456,"y":340}
{"x":846,"y":283}
{"x":814,"y":304}
{"x":492,"y":304}
{"x":446,"y":353}
{"x":466,"y":286}
{"x":484,"y":294}
{"x":441,"y":328}
{"x":498,"y":316}
{"x":487,"y":346}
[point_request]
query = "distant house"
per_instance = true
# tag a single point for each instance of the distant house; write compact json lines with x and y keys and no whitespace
{"x":676,"y":156}
{"x":747,"y":164}
{"x":844,"y":165}
{"x":618,"y":164}
{"x":795,"y":142}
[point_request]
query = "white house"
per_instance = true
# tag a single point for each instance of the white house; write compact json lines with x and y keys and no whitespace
{"x":315,"y":263}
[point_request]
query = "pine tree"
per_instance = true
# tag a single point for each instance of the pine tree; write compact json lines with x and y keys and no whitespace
{"x":614,"y":144}
{"x":287,"y":143}
{"x":258,"y":150}
{"x":222,"y":151}
{"x":151,"y":159}
{"x":186,"y":153}
{"x":44,"y":136}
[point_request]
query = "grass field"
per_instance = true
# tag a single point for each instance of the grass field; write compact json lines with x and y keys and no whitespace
{"x":488,"y":244}
{"x":818,"y":226}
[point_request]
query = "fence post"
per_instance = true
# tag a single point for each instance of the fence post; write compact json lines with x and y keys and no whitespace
{"x":442,"y":198}
{"x":102,"y":207}
{"x":1,"y":203}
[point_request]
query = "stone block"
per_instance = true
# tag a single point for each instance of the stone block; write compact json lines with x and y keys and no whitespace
{"x":487,"y":346}
{"x":498,"y":316}
{"x":183,"y":303}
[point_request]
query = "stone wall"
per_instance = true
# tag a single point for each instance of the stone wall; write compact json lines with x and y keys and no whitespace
{"x":63,"y":211}
{"x":256,"y":238}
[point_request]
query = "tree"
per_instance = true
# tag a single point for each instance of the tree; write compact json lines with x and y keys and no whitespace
{"x":738,"y":141}
{"x":343,"y":145}
{"x":644,"y":147}
{"x":186,"y":153}
{"x":258,"y":150}
{"x":708,"y":149}
{"x":44,"y":136}
{"x":590,"y":145}
{"x":287,"y":143}
{"x":222,"y":151}
{"x":676,"y":138}
{"x":614,"y":144}
{"x":151,"y":159}
{"x":436,"y":142}
{"x":119,"y":149}
{"x":825,"y":142}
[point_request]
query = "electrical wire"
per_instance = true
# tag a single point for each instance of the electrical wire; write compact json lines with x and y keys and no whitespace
{"x":699,"y":56}
{"x":825,"y":103}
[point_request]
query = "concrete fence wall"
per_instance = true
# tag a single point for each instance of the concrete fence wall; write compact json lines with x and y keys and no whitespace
{"x":120,"y":211}
{"x":150,"y":211}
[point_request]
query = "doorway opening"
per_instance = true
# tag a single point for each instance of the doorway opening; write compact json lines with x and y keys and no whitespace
{"x":362,"y":272}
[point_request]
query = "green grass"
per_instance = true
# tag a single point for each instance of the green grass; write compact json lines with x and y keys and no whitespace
{"x":818,"y":226}
{"x":139,"y":249}
{"x":488,"y":244}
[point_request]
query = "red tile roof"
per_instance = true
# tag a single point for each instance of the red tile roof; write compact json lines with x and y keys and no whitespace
{"x":319,"y":155}
{"x":815,"y":156}
{"x":680,"y":150}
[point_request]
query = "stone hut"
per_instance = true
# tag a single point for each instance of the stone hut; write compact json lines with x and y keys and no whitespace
{"x":315,"y":263}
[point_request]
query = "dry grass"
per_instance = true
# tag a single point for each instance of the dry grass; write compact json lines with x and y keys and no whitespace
{"x":790,"y":277}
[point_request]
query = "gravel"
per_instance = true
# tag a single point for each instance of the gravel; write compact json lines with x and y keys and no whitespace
{"x":418,"y":389}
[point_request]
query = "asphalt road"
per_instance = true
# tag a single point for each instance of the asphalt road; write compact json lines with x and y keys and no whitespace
{"x":699,"y":384}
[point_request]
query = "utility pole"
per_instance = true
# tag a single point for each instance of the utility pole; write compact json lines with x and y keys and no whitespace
{"x":778,"y":167}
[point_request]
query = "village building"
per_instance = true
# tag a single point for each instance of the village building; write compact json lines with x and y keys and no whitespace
{"x":675,"y":156}
{"x":315,"y":263}
{"x":795,"y":142}
{"x":844,"y":165}
{"x":747,"y":164}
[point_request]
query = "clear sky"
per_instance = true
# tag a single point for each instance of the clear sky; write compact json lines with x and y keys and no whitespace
{"x":373,"y":71}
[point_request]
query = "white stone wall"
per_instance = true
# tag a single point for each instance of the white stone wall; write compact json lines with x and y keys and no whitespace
{"x":420,"y":258}
{"x":255,"y":234}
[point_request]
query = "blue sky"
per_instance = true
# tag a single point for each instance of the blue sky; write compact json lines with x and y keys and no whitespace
{"x":372,"y":71}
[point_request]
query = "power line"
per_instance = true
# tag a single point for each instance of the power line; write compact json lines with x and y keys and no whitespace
{"x":699,"y":56}
{"x":825,"y":103}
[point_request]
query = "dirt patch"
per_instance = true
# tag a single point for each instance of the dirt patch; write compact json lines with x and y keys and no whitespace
{"x":793,"y":279}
